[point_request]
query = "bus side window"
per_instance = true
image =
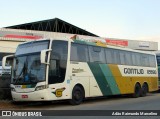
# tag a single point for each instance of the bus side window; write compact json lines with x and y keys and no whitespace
{"x":128,"y":58}
{"x":138,"y":59}
{"x":145,"y":60}
{"x":116,"y":57}
{"x":96,"y":54}
{"x":79,"y":53}
{"x":122,"y":57}
{"x":54,"y":65}
{"x":108,"y":53}
{"x":152,"y":61}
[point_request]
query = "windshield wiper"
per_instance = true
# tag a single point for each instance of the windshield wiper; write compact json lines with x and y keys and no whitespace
{"x":19,"y":78}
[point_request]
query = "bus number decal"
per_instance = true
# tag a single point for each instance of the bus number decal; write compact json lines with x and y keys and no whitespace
{"x":151,"y":72}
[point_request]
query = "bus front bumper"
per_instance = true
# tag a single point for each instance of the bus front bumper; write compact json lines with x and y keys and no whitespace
{"x":41,"y":95}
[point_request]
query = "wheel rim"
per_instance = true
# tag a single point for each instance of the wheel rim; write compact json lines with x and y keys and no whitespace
{"x":77,"y":96}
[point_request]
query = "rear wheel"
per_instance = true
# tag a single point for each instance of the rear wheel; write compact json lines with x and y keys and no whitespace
{"x":137,"y":91}
{"x":77,"y":95}
{"x":144,"y":90}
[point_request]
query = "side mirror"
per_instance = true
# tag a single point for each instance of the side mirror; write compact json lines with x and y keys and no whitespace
{"x":5,"y":59}
{"x":43,"y":55}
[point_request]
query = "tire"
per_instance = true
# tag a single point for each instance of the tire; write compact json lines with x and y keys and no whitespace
{"x":77,"y":96}
{"x":144,"y":90}
{"x":137,"y":91}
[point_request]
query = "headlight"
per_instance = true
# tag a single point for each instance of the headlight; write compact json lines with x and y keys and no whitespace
{"x":13,"y":89}
{"x":41,"y":87}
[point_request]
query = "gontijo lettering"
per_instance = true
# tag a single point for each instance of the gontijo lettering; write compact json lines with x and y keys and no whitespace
{"x":133,"y":71}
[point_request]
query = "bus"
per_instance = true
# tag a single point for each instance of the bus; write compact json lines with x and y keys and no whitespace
{"x":6,"y":70}
{"x":76,"y":68}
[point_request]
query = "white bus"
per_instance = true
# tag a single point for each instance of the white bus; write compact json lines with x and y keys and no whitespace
{"x":6,"y":70}
{"x":75,"y":69}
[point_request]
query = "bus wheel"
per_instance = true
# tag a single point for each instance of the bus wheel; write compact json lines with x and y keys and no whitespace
{"x":77,"y":95}
{"x":144,"y":90}
{"x":137,"y":91}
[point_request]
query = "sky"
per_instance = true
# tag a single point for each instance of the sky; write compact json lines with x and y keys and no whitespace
{"x":124,"y":19}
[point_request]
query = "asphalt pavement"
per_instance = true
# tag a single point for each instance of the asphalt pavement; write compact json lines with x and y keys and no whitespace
{"x":150,"y":102}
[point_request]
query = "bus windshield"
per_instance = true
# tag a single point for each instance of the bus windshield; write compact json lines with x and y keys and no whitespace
{"x":27,"y":67}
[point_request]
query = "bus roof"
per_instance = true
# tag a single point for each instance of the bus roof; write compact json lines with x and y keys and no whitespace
{"x":91,"y":41}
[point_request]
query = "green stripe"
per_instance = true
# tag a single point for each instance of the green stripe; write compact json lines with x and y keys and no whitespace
{"x":31,"y":86}
{"x":91,"y":43}
{"x":110,"y":78}
{"x":100,"y":78}
{"x":78,"y":41}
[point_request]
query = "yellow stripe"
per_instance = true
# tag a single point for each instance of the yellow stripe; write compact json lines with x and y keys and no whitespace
{"x":126,"y":84}
{"x":24,"y":86}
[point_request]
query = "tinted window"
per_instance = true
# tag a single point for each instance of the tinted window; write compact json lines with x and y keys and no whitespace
{"x":108,"y":53}
{"x":79,"y":53}
{"x":96,"y":54}
{"x":32,"y":47}
{"x":138,"y":59}
{"x":128,"y":58}
{"x":152,"y":61}
{"x":58,"y":62}
{"x":134,"y":59}
{"x":59,"y":50}
{"x":145,"y":60}
{"x":116,"y":57}
{"x":122,"y":57}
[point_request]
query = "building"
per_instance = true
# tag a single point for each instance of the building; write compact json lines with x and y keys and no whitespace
{"x":11,"y":36}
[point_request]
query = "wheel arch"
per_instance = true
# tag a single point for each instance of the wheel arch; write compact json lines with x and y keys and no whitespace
{"x":137,"y":83}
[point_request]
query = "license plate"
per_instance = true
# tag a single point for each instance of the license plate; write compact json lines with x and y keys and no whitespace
{"x":24,"y":96}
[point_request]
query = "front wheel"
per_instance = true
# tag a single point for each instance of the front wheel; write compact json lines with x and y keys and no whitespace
{"x":77,"y":95}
